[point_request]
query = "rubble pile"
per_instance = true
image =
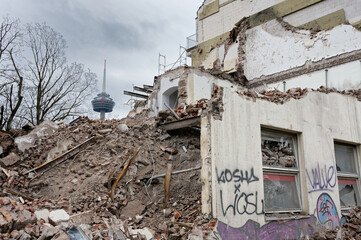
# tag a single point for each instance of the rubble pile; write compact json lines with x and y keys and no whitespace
{"x":90,"y":156}
{"x":349,"y":230}
{"x":280,"y":97}
{"x":275,"y":154}
{"x":25,"y":220}
{"x":275,"y":96}
{"x":184,"y":111}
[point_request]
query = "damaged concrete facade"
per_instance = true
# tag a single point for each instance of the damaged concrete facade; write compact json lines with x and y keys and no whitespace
{"x":277,"y":161}
{"x":268,"y":43}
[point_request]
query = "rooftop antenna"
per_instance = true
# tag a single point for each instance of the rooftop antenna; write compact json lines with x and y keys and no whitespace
{"x":103,"y":103}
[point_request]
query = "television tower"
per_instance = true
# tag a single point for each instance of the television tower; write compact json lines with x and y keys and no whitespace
{"x":103,"y":103}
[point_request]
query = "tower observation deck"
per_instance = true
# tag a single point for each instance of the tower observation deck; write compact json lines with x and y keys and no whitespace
{"x":103,"y":103}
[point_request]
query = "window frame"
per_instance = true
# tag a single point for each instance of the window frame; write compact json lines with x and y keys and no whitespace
{"x":284,"y":171}
{"x":347,"y":176}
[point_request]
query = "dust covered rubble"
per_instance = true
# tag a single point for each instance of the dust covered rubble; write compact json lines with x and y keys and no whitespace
{"x":280,"y":97}
{"x":349,"y":230}
{"x":84,"y":179}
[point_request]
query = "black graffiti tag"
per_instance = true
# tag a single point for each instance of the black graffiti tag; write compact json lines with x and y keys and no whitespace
{"x":236,"y":176}
{"x":244,"y":203}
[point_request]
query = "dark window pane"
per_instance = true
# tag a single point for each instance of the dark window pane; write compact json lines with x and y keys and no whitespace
{"x":345,"y":158}
{"x":278,"y":150}
{"x":280,"y":192}
{"x":348,"y":192}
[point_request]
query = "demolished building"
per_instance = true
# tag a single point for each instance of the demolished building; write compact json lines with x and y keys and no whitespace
{"x":271,"y":154}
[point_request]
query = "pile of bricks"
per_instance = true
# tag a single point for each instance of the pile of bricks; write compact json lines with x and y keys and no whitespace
{"x":349,"y":230}
{"x":280,"y":97}
{"x":184,"y":111}
{"x":26,"y":220}
{"x":138,"y":205}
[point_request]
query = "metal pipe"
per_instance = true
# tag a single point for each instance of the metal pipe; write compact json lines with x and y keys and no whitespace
{"x":326,"y":77}
{"x":171,"y":110}
{"x":175,"y":172}
{"x":284,"y":86}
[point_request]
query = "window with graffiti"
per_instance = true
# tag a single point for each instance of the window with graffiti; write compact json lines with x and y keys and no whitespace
{"x":347,"y":174}
{"x":280,"y":171}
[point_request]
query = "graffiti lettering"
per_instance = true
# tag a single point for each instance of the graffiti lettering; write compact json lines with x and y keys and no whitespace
{"x":236,"y":176}
{"x":322,"y":179}
{"x":243,"y":204}
{"x":326,"y":210}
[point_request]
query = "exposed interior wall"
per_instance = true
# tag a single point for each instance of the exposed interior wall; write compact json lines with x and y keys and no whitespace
{"x":273,"y":53}
{"x":270,"y":48}
{"x":216,"y":19}
{"x":227,"y":15}
{"x":184,"y":85}
{"x":235,"y":144}
{"x":343,"y":77}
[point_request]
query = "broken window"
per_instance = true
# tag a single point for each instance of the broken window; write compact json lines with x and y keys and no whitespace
{"x":347,"y":174}
{"x":280,"y":171}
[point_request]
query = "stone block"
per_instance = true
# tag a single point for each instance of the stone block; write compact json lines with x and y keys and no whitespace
{"x":42,"y":214}
{"x":9,"y":160}
{"x":58,"y":216}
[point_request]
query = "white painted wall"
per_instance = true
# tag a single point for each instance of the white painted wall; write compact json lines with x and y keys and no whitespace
{"x":271,"y":49}
{"x":235,"y":140}
{"x":166,"y":83}
{"x":342,"y":77}
{"x":199,"y":86}
{"x":230,"y":14}
{"x":352,"y":11}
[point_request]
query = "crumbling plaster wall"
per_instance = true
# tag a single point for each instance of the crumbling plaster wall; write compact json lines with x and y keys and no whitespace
{"x":193,"y":84}
{"x":342,"y":77}
{"x":235,"y":144}
{"x":216,"y":17}
{"x":227,"y":16}
{"x":273,"y":52}
{"x":270,"y":48}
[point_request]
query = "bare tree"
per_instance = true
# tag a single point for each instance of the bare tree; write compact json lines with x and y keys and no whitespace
{"x":11,"y":81}
{"x":57,"y":89}
{"x":41,"y":85}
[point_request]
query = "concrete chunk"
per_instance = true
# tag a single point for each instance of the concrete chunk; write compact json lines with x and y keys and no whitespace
{"x":9,"y":160}
{"x":58,"y":216}
{"x":42,"y":214}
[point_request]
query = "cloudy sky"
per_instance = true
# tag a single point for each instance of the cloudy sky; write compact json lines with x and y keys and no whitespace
{"x":128,"y":33}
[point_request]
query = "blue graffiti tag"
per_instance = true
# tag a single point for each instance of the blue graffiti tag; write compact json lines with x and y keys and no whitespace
{"x":322,"y":179}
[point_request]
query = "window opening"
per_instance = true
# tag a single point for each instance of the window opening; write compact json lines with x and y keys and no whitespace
{"x":280,"y":171}
{"x":347,"y":174}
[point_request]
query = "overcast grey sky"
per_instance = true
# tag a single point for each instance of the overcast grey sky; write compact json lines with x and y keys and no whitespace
{"x":128,"y":33}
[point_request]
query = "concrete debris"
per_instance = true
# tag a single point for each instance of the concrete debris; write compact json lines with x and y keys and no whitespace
{"x":123,"y":127}
{"x":349,"y":230}
{"x":58,"y":216}
{"x":42,"y":214}
{"x":46,"y":128}
{"x":184,"y":111}
{"x":9,"y":160}
{"x":280,"y":97}
{"x":84,"y":178}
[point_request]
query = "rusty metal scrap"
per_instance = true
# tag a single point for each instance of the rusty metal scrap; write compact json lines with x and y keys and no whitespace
{"x":167,"y":185}
{"x":67,"y":154}
{"x":122,"y":173}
